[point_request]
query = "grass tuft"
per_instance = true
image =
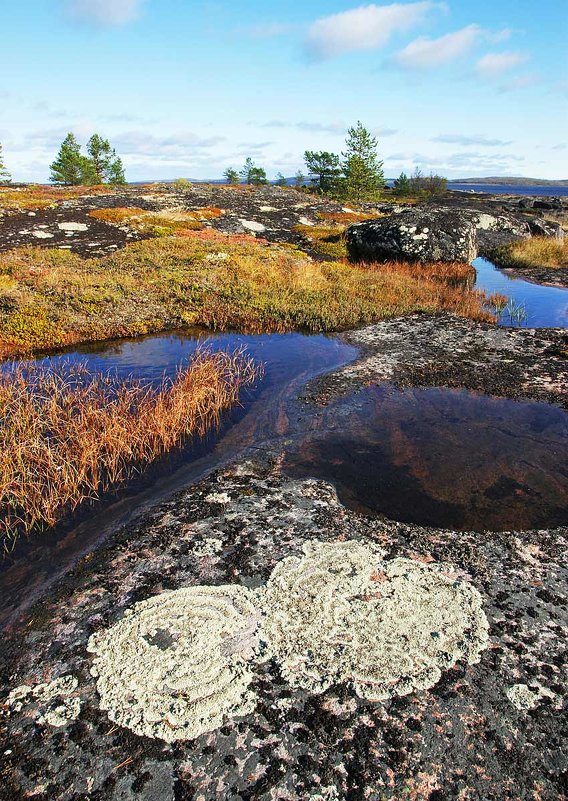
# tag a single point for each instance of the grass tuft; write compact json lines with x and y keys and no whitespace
{"x":530,"y":253}
{"x":67,"y":436}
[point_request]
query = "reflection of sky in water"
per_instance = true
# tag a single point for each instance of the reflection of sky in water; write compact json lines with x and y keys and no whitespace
{"x":546,"y":306}
{"x":284,"y":355}
{"x":443,"y":457}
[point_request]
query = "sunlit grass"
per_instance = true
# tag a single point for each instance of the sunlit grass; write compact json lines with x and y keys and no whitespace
{"x":536,"y":252}
{"x":35,"y":197}
{"x":52,"y":298}
{"x":67,"y":436}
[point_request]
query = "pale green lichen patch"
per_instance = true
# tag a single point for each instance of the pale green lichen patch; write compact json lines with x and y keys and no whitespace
{"x":176,"y":665}
{"x":524,"y":697}
{"x":341,"y":613}
{"x":55,"y":700}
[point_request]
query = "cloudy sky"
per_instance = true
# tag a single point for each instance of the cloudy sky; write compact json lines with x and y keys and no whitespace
{"x":190,"y":87}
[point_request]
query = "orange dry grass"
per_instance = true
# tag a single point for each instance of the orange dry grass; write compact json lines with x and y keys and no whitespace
{"x":39,"y":197}
{"x":117,"y":215}
{"x":67,"y":436}
{"x":347,"y":217}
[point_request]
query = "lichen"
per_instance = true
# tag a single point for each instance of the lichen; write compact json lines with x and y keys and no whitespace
{"x":177,"y":664}
{"x":341,"y":613}
{"x":54,"y":699}
{"x":524,"y":697}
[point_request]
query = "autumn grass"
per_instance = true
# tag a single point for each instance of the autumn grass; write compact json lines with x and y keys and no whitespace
{"x":34,"y":197}
{"x":68,"y":436}
{"x":157,"y":223}
{"x":536,"y":252}
{"x":51,"y":298}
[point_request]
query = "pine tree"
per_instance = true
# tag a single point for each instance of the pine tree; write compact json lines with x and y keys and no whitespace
{"x":101,"y":156}
{"x":402,"y":185}
{"x":5,"y":176}
{"x":69,"y":167}
{"x":362,"y":167}
{"x":231,"y":176}
{"x":299,"y":180}
{"x":115,"y":173}
{"x":325,"y":167}
{"x":281,"y":180}
{"x":247,"y":169}
{"x":257,"y":177}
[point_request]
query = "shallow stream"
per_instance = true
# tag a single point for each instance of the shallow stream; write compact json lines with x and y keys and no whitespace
{"x":438,"y":457}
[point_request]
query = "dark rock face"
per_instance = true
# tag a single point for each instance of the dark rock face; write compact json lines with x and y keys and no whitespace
{"x":436,"y":234}
{"x":414,"y":235}
{"x":541,"y":227}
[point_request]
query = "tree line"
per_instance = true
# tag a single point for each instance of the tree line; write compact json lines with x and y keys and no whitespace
{"x":356,"y":175}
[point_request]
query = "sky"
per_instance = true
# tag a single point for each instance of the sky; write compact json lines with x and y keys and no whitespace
{"x":187,"y":88}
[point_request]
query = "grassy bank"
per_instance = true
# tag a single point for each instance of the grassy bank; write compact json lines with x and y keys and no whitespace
{"x":39,"y":196}
{"x":531,"y":253}
{"x":66,"y":436}
{"x":52,"y":298}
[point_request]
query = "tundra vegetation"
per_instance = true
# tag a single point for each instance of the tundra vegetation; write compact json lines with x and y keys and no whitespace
{"x":51,"y":298}
{"x":535,"y":252}
{"x":67,"y":436}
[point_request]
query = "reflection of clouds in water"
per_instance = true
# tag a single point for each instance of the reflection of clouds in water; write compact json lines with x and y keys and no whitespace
{"x":546,"y":306}
{"x":337,"y":613}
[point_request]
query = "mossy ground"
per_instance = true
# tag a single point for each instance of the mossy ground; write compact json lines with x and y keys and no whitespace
{"x":52,"y":298}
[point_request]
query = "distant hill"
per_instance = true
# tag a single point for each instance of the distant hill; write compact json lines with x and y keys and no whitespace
{"x":509,"y":181}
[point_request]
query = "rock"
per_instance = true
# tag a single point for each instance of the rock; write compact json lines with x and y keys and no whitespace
{"x":433,"y":234}
{"x":540,"y":227}
{"x":424,"y":234}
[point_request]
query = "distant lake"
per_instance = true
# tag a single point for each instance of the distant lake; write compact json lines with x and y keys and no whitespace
{"x":506,"y":189}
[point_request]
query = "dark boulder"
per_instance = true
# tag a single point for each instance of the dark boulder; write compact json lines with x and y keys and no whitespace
{"x":423,"y":234}
{"x":540,"y":227}
{"x":433,"y":234}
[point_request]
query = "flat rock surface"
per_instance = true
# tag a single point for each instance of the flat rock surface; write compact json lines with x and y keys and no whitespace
{"x":270,"y":213}
{"x":466,"y":737}
{"x":421,"y":350}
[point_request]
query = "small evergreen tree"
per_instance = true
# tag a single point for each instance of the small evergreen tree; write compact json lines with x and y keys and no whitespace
{"x":69,"y":166}
{"x":402,"y":186}
{"x":247,"y":170}
{"x":281,"y":180}
{"x":325,"y":167}
{"x":5,"y":176}
{"x":299,"y":180}
{"x":101,"y":156}
{"x":115,"y":174}
{"x":363,"y":170}
{"x":231,"y":176}
{"x":257,"y":177}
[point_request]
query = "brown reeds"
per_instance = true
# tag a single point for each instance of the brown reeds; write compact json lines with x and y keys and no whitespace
{"x":67,"y":436}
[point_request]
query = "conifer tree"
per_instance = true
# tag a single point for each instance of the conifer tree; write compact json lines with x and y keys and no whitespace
{"x":231,"y":176}
{"x":362,"y":167}
{"x":325,"y":167}
{"x":281,"y":180}
{"x":402,"y":186}
{"x":115,"y":173}
{"x":69,"y":166}
{"x":5,"y":176}
{"x":101,"y":156}
{"x":299,"y":180}
{"x":246,"y":171}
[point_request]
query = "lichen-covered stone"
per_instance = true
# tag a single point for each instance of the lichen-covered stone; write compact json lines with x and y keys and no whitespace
{"x":178,"y":663}
{"x":342,"y":614}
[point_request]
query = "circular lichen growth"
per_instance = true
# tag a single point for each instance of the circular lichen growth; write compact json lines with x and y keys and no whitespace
{"x":341,"y":613}
{"x":177,"y":664}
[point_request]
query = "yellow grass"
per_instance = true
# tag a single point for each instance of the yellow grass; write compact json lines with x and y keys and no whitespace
{"x":42,"y":196}
{"x":50,"y":298}
{"x":535,"y":252}
{"x":66,"y":436}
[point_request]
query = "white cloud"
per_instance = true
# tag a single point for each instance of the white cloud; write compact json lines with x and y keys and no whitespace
{"x":106,"y":13}
{"x":364,"y":28}
{"x":425,"y":52}
{"x":492,"y":65}
{"x":467,"y":141}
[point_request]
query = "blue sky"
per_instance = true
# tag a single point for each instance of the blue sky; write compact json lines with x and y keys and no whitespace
{"x":189,"y":87}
